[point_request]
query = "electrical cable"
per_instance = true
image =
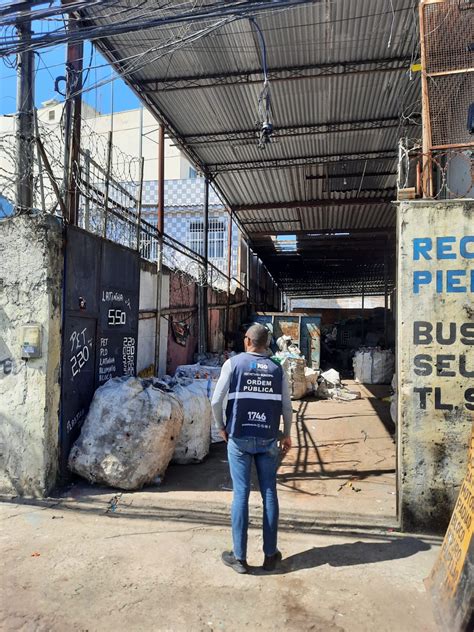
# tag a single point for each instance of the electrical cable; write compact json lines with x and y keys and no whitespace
{"x":235,"y":9}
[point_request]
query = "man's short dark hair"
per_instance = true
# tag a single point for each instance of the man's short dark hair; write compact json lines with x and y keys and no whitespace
{"x":258,"y":335}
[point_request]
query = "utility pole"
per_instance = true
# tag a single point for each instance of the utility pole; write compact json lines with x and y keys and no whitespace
{"x":25,"y":121}
{"x":75,"y":53}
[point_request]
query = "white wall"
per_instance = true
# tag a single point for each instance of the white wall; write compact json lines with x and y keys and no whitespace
{"x":147,"y":322}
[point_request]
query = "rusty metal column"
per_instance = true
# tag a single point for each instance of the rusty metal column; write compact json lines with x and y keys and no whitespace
{"x":25,"y":121}
{"x":385,"y":281}
{"x":427,"y":175}
{"x":247,"y":277}
{"x":75,"y":54}
{"x":229,"y":275}
{"x":160,"y":224}
{"x":203,"y":315}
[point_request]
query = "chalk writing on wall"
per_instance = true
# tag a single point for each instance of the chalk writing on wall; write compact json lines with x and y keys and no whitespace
{"x":128,"y":355}
{"x":81,"y":345}
{"x":107,"y":365}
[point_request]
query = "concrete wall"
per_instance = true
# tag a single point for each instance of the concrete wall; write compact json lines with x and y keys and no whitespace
{"x":435,"y":357}
{"x":31,"y":272}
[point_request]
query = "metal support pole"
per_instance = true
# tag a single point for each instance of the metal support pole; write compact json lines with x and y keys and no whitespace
{"x":140,"y":136}
{"x":24,"y":129}
{"x":203,"y":309}
{"x":75,"y":53}
{"x":229,"y":275}
{"x":385,"y":281}
{"x":363,"y":310}
{"x":160,"y":224}
{"x":107,"y":183}
{"x":87,"y":180}
{"x":247,"y":276}
{"x":139,"y":201}
{"x":427,"y":174}
{"x":257,"y":296}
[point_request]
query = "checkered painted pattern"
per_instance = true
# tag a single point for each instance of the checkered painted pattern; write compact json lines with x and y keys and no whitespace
{"x":184,"y":203}
{"x":182,"y":193}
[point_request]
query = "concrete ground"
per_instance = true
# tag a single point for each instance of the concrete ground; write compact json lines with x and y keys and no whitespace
{"x":94,"y":559}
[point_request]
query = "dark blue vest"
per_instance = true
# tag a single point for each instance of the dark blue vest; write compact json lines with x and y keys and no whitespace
{"x":254,"y":406}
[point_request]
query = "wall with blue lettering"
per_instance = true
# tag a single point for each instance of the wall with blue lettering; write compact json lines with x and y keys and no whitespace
{"x":435,"y":357}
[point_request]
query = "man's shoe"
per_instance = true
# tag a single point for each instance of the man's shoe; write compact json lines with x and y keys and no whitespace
{"x":239,"y":566}
{"x":270,"y":562}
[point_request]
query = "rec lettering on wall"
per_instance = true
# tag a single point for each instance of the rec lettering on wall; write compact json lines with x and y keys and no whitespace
{"x":444,"y":347}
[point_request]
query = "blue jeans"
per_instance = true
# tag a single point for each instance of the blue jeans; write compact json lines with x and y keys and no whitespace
{"x":241,"y":453}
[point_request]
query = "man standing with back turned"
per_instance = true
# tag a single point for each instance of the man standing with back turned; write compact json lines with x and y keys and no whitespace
{"x":258,"y":395}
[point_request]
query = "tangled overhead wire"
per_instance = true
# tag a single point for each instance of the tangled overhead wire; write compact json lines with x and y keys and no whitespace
{"x":265,"y":122}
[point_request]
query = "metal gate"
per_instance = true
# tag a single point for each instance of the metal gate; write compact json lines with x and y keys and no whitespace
{"x":100,"y":329}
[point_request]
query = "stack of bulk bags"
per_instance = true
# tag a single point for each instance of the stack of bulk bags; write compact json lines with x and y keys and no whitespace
{"x":374,"y":365}
{"x":195,"y":437}
{"x":129,"y":434}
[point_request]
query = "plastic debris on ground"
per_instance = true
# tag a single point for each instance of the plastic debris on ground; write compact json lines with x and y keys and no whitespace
{"x":331,"y":377}
{"x":311,"y":377}
{"x":331,"y":387}
{"x":393,"y":404}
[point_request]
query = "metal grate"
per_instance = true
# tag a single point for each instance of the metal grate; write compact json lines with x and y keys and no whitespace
{"x":449,"y":98}
{"x":449,"y":29}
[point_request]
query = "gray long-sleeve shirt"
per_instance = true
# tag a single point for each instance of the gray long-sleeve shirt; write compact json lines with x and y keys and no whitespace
{"x":222,"y":390}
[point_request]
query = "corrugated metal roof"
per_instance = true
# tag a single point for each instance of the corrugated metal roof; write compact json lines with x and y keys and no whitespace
{"x":340,"y":63}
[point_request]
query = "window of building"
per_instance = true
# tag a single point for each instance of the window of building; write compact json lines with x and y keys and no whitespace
{"x":192,"y":173}
{"x":51,"y":115}
{"x":217,"y":230}
{"x":196,"y":236}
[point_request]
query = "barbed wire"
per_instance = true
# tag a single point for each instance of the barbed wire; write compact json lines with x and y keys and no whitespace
{"x":439,"y":174}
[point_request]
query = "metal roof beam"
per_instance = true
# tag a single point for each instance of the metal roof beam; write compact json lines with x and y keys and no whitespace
{"x":295,"y":130}
{"x":328,"y":234}
{"x":364,"y":201}
{"x":216,"y":80}
{"x":359,"y":174}
{"x":278,"y":163}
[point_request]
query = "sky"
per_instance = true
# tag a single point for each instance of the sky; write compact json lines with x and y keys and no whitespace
{"x":50,"y":63}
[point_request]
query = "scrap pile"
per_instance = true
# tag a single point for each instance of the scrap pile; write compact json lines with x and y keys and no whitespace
{"x":305,"y":381}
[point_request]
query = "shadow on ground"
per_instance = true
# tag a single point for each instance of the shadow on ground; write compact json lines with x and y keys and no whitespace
{"x":351,"y":554}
